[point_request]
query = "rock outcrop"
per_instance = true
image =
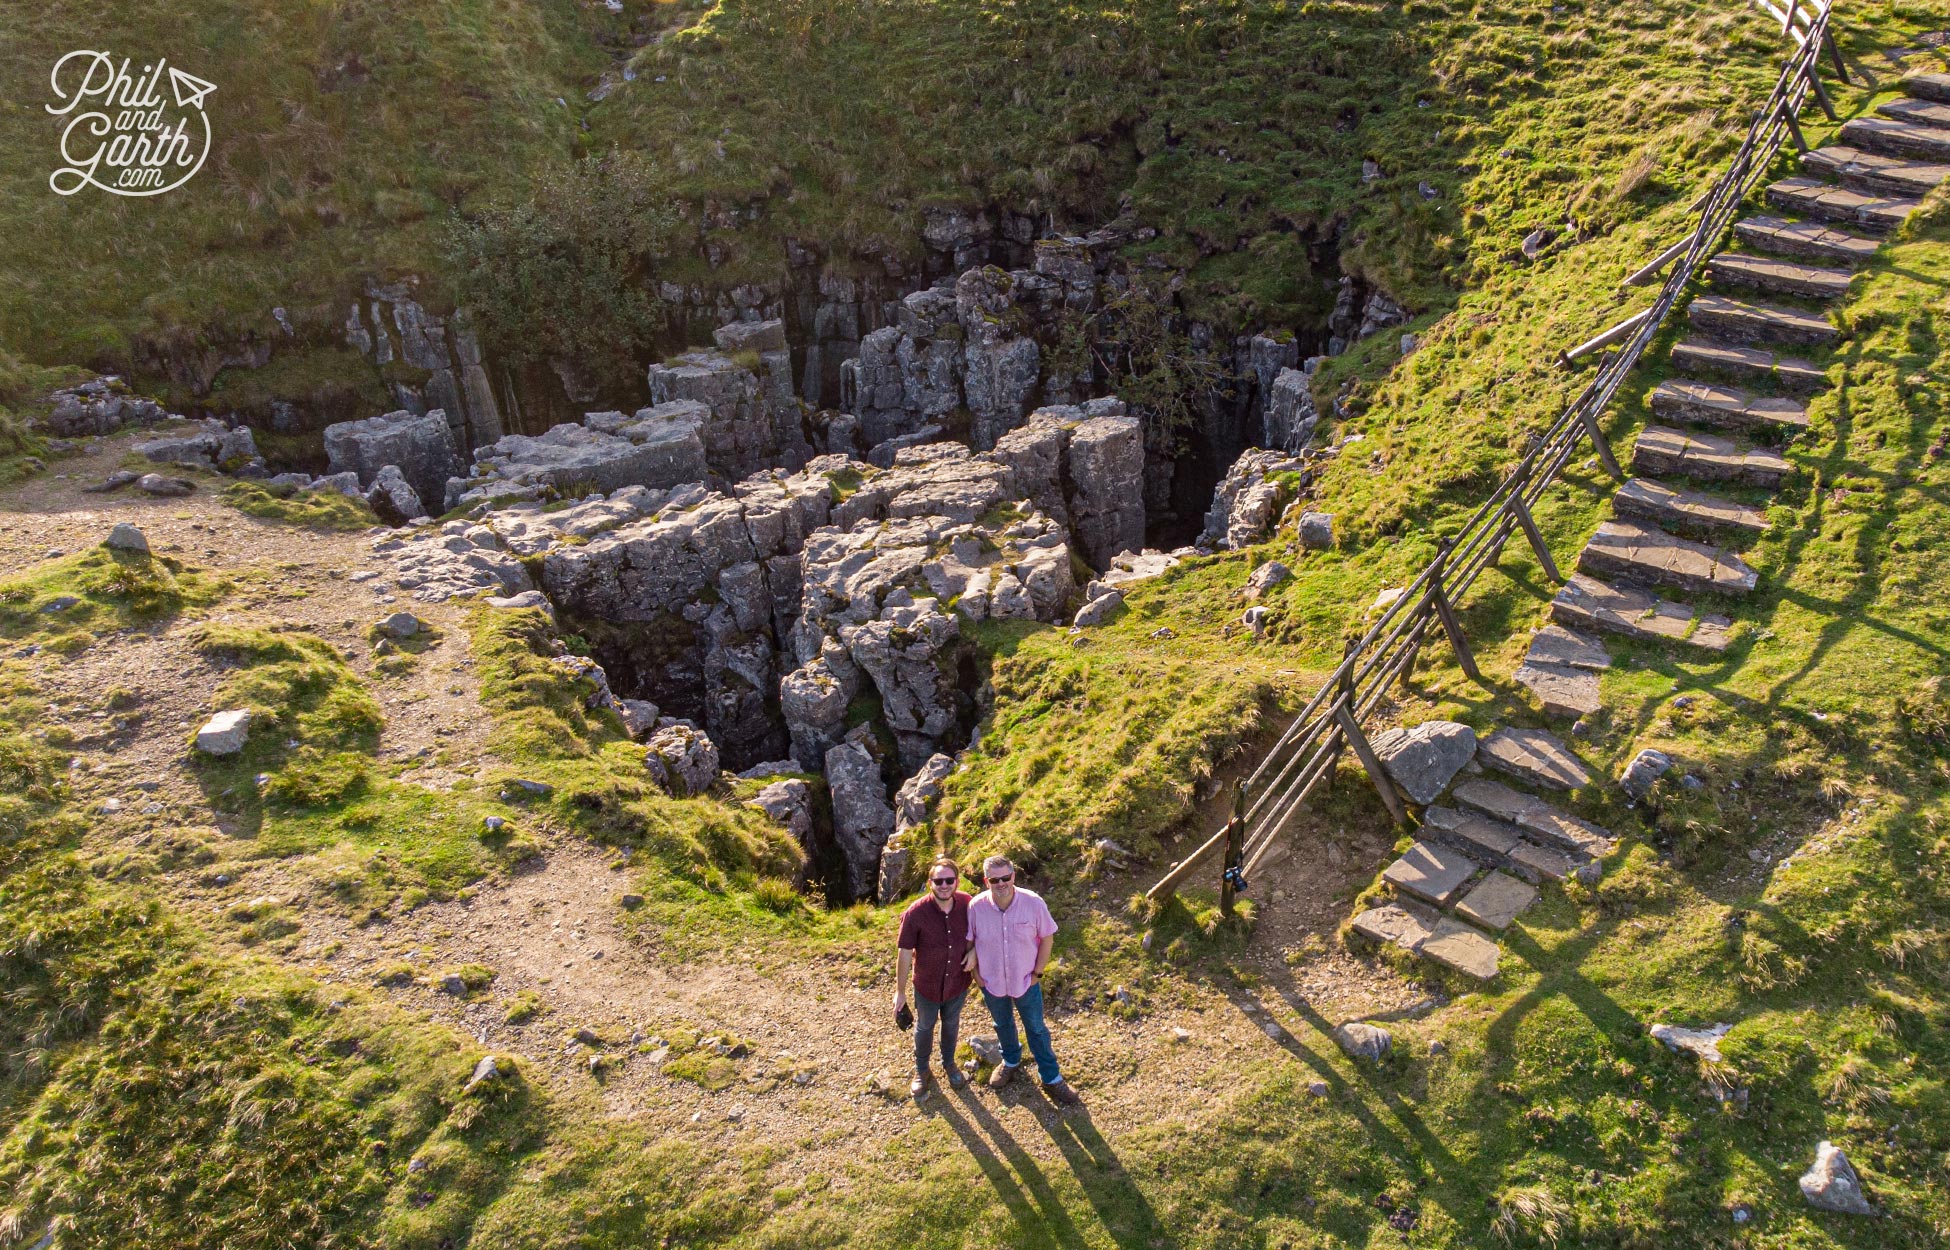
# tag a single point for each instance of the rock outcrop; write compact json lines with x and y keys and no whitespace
{"x":1247,"y":504}
{"x":658,"y":448}
{"x":206,"y":444}
{"x":420,"y":445}
{"x":751,"y":419}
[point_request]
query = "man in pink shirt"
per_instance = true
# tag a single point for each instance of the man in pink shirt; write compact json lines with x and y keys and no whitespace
{"x":1010,"y":935}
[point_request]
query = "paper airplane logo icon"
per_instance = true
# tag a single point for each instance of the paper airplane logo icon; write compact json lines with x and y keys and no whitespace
{"x":189,"y":89}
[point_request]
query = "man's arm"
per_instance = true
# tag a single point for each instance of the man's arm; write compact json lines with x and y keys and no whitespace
{"x":903,"y":967}
{"x":1044,"y":946}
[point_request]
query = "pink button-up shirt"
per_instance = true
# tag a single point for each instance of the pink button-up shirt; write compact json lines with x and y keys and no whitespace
{"x":1006,"y":942}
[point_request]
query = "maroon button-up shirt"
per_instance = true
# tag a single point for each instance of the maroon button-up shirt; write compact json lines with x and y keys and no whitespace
{"x":939,"y":941}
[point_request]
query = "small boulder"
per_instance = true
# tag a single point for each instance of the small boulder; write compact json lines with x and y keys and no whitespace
{"x":1363,"y":1041}
{"x":126,"y":537}
{"x":1267,"y":576}
{"x":639,"y":716}
{"x":158,"y":484}
{"x":401,"y":625}
{"x":1424,"y":758}
{"x":488,"y":1069}
{"x":1645,"y":769}
{"x":1832,"y":1185}
{"x":1317,"y":531}
{"x":681,"y":759}
{"x":224,"y":733}
{"x":1098,"y":610}
{"x":1702,"y":1042}
{"x":1254,"y":618}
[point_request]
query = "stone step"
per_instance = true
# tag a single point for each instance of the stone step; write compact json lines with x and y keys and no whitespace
{"x":1894,"y":138}
{"x":1554,"y":644}
{"x":1928,"y":87}
{"x":1824,"y":201}
{"x":1742,"y":321}
{"x":1561,"y":689}
{"x":1665,"y":452}
{"x":1723,"y":407}
{"x":1810,"y":240}
{"x":1687,"y":511}
{"x":1749,"y":364}
{"x":1431,"y":872}
{"x":1923,"y":112}
{"x":1536,"y":756}
{"x":1645,"y":555}
{"x":1874,"y":172}
{"x":1587,"y":603}
{"x":1561,"y":668}
{"x":1503,"y":845}
{"x":1496,"y":901}
{"x":1535,"y":818}
{"x":1415,"y":928}
{"x":1777,"y":276}
{"x":1455,"y":945}
{"x":1479,"y":837}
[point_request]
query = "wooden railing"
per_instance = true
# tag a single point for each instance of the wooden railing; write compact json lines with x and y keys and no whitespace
{"x":1332,"y":721}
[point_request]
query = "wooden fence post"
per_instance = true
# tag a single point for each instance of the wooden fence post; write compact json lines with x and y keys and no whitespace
{"x":1229,"y":878}
{"x":1438,"y":598}
{"x":1531,"y":531}
{"x":1372,"y":763}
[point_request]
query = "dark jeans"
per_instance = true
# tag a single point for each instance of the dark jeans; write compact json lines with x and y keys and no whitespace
{"x":925,"y":1014}
{"x":1030,"y":1008}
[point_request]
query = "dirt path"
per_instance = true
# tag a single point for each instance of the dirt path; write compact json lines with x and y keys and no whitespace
{"x":825,"y":1065}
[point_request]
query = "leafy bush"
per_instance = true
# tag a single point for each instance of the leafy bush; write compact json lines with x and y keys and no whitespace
{"x":566,"y":274}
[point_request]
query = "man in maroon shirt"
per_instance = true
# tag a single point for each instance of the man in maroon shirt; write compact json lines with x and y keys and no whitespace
{"x":933,"y":944}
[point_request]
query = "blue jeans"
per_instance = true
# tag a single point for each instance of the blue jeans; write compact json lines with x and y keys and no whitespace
{"x":925,"y":1014}
{"x":1030,"y":1008}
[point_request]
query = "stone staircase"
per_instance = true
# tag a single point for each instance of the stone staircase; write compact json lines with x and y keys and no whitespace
{"x":1482,"y":854}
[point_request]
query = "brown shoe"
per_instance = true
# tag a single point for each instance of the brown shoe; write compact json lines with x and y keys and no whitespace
{"x":1060,"y":1093}
{"x":918,"y":1086}
{"x":1003,"y":1074}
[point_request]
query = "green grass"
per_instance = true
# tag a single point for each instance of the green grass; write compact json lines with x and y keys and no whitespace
{"x":371,"y":842}
{"x":110,"y":590}
{"x":312,"y":509}
{"x":334,"y":157}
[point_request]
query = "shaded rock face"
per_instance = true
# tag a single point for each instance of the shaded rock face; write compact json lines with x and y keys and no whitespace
{"x":1290,"y":416}
{"x":420,"y":445}
{"x":390,"y":325}
{"x":863,"y":819}
{"x":752,"y":419}
{"x":1247,"y":504}
{"x":1084,"y":465}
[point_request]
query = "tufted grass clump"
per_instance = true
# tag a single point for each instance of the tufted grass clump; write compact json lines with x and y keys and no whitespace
{"x":312,"y":509}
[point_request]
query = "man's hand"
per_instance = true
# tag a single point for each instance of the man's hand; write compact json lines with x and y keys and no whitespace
{"x":900,"y":1000}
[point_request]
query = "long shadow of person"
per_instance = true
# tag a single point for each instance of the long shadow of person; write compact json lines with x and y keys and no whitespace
{"x":1120,"y":1205}
{"x":1035,"y":1204}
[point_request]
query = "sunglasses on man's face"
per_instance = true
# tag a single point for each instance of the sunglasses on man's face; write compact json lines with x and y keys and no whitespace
{"x":945,"y":880}
{"x":1002,"y":880}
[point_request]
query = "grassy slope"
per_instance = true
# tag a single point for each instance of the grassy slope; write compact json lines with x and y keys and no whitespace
{"x":1834,"y":971}
{"x":319,"y":175}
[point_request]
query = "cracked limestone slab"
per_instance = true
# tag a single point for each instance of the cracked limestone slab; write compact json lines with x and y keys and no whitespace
{"x":1536,"y":756}
{"x":1496,"y":901}
{"x":1432,"y":873}
{"x":1454,"y":944}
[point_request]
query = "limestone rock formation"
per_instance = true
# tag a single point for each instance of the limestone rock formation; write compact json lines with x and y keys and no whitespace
{"x":1247,"y":503}
{"x":421,"y":446}
{"x":205,"y":444}
{"x":863,"y":820}
{"x":753,"y":423}
{"x":656,"y":448}
{"x":1290,"y":415}
{"x":681,"y":758}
